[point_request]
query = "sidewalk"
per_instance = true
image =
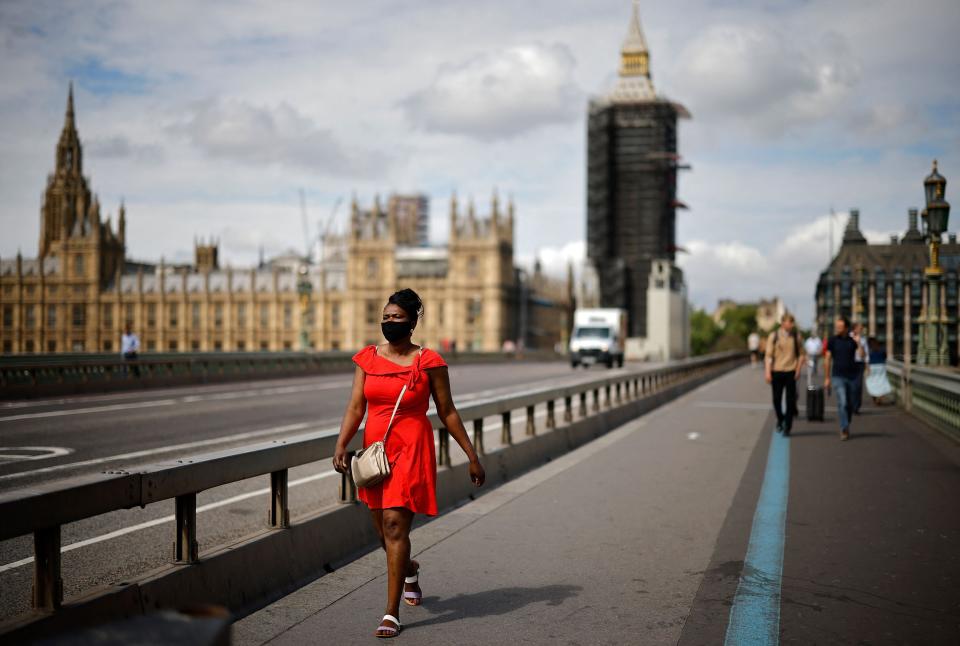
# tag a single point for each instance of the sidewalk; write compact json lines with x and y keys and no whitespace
{"x":640,"y":536}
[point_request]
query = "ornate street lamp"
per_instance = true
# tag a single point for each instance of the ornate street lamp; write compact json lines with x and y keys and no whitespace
{"x":932,"y":349}
{"x":304,"y":289}
{"x":859,"y":294}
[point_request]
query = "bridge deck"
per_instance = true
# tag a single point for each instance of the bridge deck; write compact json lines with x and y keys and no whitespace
{"x":641,"y":537}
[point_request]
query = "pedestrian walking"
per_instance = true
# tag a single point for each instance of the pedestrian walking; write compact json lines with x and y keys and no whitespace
{"x":840,"y":370}
{"x":783,"y":361}
{"x":753,"y":344}
{"x":392,"y":384}
{"x":859,"y":335}
{"x":129,"y":350}
{"x":878,"y":385}
{"x":813,"y":346}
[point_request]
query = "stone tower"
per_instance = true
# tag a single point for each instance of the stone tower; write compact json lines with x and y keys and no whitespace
{"x":371,"y":270}
{"x":632,"y":165}
{"x":206,"y":255}
{"x":481,"y":280}
{"x":87,"y":250}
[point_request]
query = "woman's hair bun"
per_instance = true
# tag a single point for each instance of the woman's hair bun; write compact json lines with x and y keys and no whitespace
{"x":409,"y":301}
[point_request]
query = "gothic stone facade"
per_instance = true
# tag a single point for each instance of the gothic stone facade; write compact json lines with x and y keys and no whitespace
{"x":883,"y":287}
{"x":81,"y":290}
{"x":467,"y":287}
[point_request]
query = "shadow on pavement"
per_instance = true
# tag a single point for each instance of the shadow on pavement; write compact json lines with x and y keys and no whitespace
{"x":796,"y":433}
{"x":499,"y":601}
{"x":868,"y":435}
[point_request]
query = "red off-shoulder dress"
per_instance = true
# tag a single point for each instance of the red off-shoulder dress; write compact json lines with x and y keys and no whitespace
{"x":412,"y":482}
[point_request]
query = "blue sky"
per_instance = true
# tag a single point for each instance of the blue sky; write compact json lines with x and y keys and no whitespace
{"x":208,"y":118}
{"x":92,"y":75}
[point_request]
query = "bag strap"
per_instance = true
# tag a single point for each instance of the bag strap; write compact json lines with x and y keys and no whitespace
{"x":397,"y":405}
{"x":392,"y":415}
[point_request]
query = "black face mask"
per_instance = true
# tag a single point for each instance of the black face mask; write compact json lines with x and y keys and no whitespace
{"x":396,"y":330}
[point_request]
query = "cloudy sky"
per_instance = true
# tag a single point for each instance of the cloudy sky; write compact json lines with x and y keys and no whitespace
{"x":208,"y":117}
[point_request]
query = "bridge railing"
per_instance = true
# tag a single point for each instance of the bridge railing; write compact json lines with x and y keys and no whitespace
{"x":43,"y":509}
{"x":33,"y":376}
{"x":930,"y":393}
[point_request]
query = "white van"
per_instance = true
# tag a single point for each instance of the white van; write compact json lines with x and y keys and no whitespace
{"x":598,"y":337}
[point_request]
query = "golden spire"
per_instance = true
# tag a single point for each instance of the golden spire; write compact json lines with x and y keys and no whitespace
{"x":634,"y":83}
{"x":634,"y":55}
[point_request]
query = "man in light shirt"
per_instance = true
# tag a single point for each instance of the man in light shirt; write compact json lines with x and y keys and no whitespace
{"x":129,"y":347}
{"x":813,"y":346}
{"x":783,"y":362}
{"x":753,"y":344}
{"x":863,"y":352}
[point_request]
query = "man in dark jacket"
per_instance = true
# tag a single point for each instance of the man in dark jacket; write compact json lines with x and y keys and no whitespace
{"x":841,"y":370}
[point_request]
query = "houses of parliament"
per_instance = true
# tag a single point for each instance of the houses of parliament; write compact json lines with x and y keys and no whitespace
{"x":82,"y":290}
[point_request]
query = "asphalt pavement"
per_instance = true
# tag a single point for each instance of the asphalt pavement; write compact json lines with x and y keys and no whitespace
{"x":58,"y":437}
{"x":646,"y":535}
{"x":98,"y":432}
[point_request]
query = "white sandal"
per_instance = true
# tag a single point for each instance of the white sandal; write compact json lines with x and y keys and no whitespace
{"x":383,"y":627}
{"x":410,"y":597}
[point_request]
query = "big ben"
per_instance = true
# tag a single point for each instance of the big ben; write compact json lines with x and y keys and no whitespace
{"x":632,"y":165}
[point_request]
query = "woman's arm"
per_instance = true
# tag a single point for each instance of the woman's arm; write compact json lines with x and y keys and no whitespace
{"x":447,"y":412}
{"x":356,"y":407}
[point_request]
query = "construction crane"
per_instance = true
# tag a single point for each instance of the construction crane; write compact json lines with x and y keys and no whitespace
{"x":306,"y":227}
{"x":325,"y":230}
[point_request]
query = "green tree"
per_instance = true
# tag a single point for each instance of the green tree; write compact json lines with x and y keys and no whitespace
{"x":703,"y":332}
{"x":739,"y":322}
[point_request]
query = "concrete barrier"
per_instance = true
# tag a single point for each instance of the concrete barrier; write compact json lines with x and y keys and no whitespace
{"x":49,"y":375}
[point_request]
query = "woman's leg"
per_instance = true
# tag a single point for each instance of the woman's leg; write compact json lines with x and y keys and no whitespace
{"x":396,"y":538}
{"x":376,"y":515}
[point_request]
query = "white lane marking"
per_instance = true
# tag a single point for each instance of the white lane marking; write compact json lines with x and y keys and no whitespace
{"x":222,"y":395}
{"x":92,"y":409}
{"x":189,"y":445}
{"x":15,"y":453}
{"x":188,"y":399}
{"x":167,"y":519}
{"x":214,"y":505}
{"x":325,"y":382}
{"x":693,"y":435}
{"x":168,"y":449}
{"x":213,"y":389}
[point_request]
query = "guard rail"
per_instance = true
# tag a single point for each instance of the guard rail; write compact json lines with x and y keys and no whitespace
{"x":930,"y":393}
{"x":42,"y":510}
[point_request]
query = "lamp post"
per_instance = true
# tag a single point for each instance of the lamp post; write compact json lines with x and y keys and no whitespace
{"x":858,"y":294}
{"x":933,"y":342}
{"x":304,"y":289}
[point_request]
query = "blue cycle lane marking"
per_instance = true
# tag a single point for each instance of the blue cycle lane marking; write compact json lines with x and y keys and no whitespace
{"x":755,"y":614}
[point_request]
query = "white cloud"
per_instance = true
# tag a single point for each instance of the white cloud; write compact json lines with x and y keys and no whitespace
{"x":734,"y":257}
{"x":241,"y":229}
{"x":500,"y":94}
{"x":241,"y":132}
{"x":789,"y":268}
{"x":121,"y":147}
{"x":555,"y":260}
{"x":763,"y":78}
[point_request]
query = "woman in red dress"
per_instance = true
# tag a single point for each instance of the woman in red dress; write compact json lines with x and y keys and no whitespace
{"x":381,"y":372}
